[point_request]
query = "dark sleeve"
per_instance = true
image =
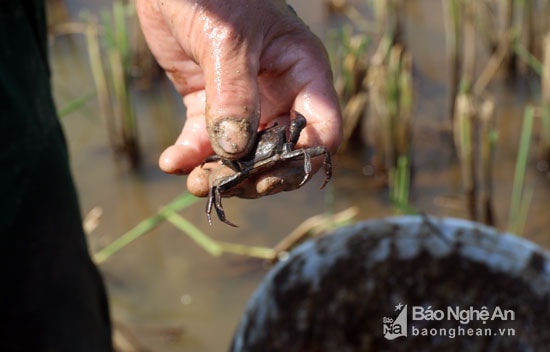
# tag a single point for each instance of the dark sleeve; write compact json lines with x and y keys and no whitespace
{"x":27,"y":113}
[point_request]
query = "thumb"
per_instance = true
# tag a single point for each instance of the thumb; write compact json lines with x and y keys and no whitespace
{"x":232,"y":97}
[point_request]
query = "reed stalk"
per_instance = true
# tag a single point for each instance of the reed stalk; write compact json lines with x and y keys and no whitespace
{"x":528,"y":58}
{"x":452,"y":16}
{"x":386,"y":13}
{"x":525,"y":29}
{"x":146,"y":225}
{"x":400,"y":177}
{"x":469,"y":50}
{"x":545,"y":95}
{"x":75,"y":104}
{"x":496,"y":61}
{"x":392,"y":102}
{"x":507,"y":11}
{"x":349,"y":63}
{"x":100,"y":78}
{"x":120,"y":32}
{"x":488,"y":139}
{"x":403,"y":138}
{"x":381,"y":9}
{"x":388,"y":129}
{"x":463,"y":132}
{"x":169,"y":213}
{"x":314,"y":227}
{"x":486,"y":23}
{"x":245,"y":250}
{"x":375,"y":132}
{"x":117,"y":53}
{"x":520,"y":199}
{"x":209,"y":245}
{"x":545,"y":14}
{"x":519,"y":19}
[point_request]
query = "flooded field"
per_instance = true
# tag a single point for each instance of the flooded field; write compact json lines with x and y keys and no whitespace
{"x":172,"y":295}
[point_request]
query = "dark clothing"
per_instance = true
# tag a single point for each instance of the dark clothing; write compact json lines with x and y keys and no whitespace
{"x":52,"y":297}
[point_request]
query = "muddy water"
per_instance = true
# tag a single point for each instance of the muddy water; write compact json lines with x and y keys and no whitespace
{"x":170,"y":293}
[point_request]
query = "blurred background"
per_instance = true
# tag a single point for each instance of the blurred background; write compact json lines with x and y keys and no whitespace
{"x":446,"y":112}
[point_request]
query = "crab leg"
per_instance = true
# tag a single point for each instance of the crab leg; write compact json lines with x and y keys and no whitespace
{"x":219,"y":208}
{"x":328,"y":169}
{"x":307,"y":167}
{"x":209,"y":204}
{"x":296,"y":127}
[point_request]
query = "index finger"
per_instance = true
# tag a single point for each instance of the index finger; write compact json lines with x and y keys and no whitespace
{"x":318,"y":102}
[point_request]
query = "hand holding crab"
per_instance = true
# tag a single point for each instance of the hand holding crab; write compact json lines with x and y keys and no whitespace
{"x":272,"y":149}
{"x":226,"y":58}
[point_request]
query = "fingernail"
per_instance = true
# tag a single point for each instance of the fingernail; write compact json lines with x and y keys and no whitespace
{"x":232,"y":135}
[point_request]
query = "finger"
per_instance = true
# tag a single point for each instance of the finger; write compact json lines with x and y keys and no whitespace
{"x":202,"y":177}
{"x":324,"y":125}
{"x":317,"y":101}
{"x":306,"y":87}
{"x":193,"y":145}
{"x":232,"y":106}
{"x":225,"y":42}
{"x":198,"y":179}
{"x":286,"y":178}
{"x":169,"y":53}
{"x":319,"y":104}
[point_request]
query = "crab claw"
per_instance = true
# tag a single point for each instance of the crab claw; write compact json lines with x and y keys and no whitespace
{"x":215,"y":200}
{"x":328,"y":169}
{"x":209,"y":206}
{"x":307,"y":168}
{"x":221,"y":216}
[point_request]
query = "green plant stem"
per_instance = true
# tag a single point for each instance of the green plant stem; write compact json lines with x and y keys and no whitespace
{"x":529,"y":58}
{"x":125,"y":111}
{"x":118,"y":54}
{"x":452,"y":20}
{"x":143,"y":227}
{"x":251,"y":251}
{"x":208,"y":244}
{"x":120,"y":31}
{"x":546,"y":131}
{"x":521,"y":218}
{"x":400,"y":185}
{"x":545,"y":97}
{"x":519,"y":201}
{"x":75,"y":104}
{"x":100,"y":79}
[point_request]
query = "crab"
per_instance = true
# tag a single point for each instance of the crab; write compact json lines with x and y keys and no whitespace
{"x":271,"y":149}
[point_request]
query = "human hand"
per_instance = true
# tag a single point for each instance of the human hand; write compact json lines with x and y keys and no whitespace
{"x":226,"y":58}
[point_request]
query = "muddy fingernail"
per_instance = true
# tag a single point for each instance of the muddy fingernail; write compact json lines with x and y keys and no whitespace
{"x":232,"y":136}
